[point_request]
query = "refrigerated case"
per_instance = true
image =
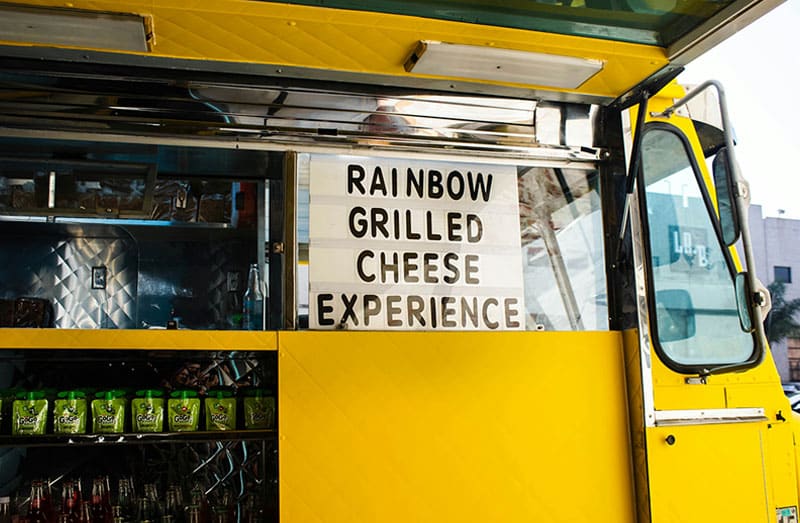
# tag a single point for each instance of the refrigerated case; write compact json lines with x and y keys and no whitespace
{"x":135,"y":258}
{"x":236,"y":469}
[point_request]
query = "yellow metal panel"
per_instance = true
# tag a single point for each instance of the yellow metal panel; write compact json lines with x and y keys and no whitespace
{"x":351,"y":41}
{"x":136,"y":339}
{"x":710,"y":473}
{"x":779,"y":450}
{"x":453,"y":427}
{"x":636,"y":394}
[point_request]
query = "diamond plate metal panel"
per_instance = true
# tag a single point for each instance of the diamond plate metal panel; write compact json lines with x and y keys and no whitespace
{"x":57,"y":266}
{"x":76,"y":304}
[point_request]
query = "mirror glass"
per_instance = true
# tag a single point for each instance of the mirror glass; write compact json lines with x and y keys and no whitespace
{"x":727,"y":208}
{"x":742,"y":302}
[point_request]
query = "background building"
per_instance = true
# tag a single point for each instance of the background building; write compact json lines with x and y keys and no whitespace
{"x":776,"y":248}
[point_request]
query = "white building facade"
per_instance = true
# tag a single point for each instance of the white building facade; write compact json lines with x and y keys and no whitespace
{"x":776,"y":248}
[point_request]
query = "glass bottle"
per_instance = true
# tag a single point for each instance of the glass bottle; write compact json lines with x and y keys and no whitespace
{"x":151,"y":493}
{"x":174,"y":505}
{"x":144,"y":510}
{"x":37,"y":513}
{"x":101,"y":506}
{"x":253,"y":301}
{"x":77,"y":484}
{"x":125,"y":498}
{"x":5,"y":509}
{"x":221,"y":515}
{"x":47,"y":501}
{"x":197,"y":498}
{"x":70,"y":506}
{"x":107,"y":495}
{"x":85,"y":513}
{"x":193,"y":514}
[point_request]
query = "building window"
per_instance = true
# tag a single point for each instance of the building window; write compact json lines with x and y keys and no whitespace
{"x":793,"y":351}
{"x":783,"y":274}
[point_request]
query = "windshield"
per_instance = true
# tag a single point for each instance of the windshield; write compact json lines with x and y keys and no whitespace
{"x":653,"y":22}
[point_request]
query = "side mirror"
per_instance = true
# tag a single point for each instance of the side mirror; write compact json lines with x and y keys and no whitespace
{"x":724,"y":184}
{"x":743,"y":302}
{"x":676,"y":318}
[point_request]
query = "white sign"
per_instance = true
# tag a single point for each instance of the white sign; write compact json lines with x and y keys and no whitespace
{"x":398,"y":244}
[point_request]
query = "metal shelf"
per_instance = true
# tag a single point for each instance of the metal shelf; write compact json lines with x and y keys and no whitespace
{"x":69,"y":440}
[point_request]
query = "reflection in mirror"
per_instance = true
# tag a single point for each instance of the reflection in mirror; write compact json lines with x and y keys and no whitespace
{"x":743,"y":303}
{"x":675,"y":312}
{"x":727,"y":207}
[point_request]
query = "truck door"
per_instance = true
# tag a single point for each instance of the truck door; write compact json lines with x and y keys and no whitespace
{"x":711,"y":404}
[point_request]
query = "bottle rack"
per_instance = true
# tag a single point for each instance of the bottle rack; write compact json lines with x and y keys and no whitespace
{"x":242,"y":461}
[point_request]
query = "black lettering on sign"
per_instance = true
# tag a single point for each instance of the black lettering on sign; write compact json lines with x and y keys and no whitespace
{"x":453,"y":226}
{"x":415,"y":182}
{"x":447,"y":311}
{"x":378,"y":183}
{"x":393,"y":311}
{"x":455,"y":178}
{"x":471,"y":268}
{"x":355,"y":178}
{"x":429,"y":267}
{"x":415,"y":306}
{"x":358,"y":226}
{"x":471,"y":312}
{"x":323,"y":309}
{"x":449,"y":265}
{"x":435,"y":189}
{"x":489,"y":323}
{"x":396,"y":216}
{"x":393,"y":267}
{"x":432,"y":235}
{"x":368,"y":278}
{"x":372,"y":307}
{"x":476,"y":186}
{"x":349,"y":308}
{"x":410,"y":268}
{"x":474,"y":228}
{"x":379,"y":219}
{"x":422,"y":184}
{"x":511,"y":311}
{"x":411,"y":235}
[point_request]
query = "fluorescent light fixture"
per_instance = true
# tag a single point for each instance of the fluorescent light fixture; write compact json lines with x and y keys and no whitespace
{"x":73,"y":28}
{"x":501,"y":65}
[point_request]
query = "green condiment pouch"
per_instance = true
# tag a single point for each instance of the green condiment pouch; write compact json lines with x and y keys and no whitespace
{"x":108,"y":412}
{"x":183,"y":410}
{"x":220,"y":410}
{"x":69,"y":413}
{"x":259,"y":410}
{"x":147,"y":411}
{"x":29,"y":414}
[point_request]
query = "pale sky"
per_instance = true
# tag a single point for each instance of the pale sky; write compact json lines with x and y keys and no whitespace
{"x":760,"y":70}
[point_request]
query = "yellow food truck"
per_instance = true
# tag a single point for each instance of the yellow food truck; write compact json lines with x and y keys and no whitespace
{"x":337,"y":261}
